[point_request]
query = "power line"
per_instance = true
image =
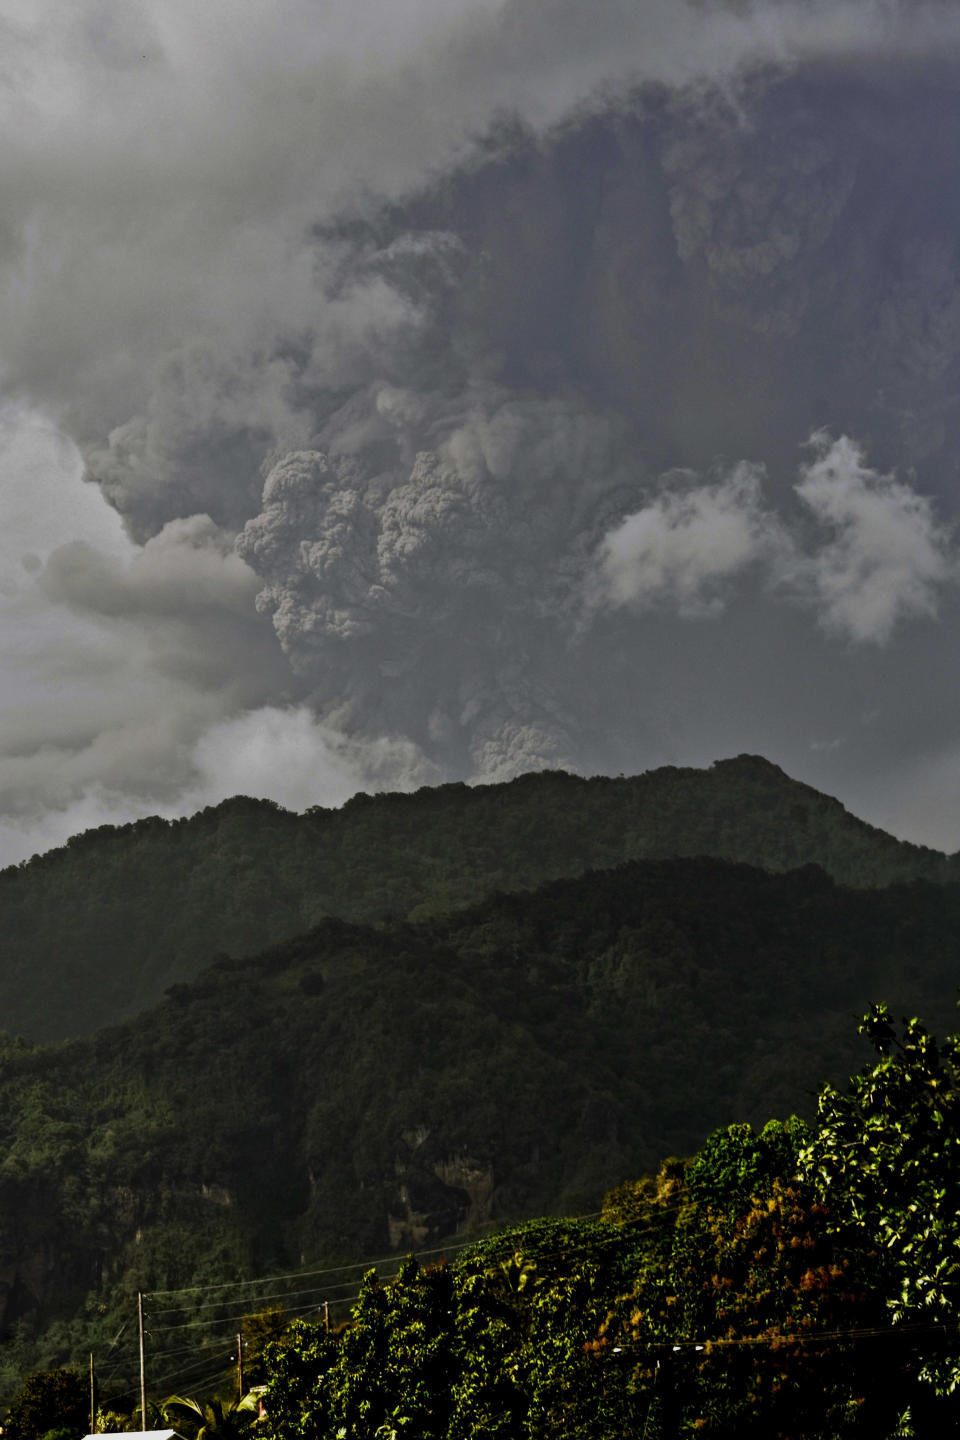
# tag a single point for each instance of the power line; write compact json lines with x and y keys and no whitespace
{"x":157,"y":1356}
{"x":866,"y":1332}
{"x":909,"y":1331}
{"x":234,"y":1317}
{"x":302,"y":1274}
{"x":260,"y":1300}
{"x":671,"y":1208}
{"x":181,"y":1373}
{"x":341,"y":1269}
{"x":642,"y":1224}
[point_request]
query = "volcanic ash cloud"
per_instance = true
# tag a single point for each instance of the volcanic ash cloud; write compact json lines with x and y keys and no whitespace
{"x":432,"y":597}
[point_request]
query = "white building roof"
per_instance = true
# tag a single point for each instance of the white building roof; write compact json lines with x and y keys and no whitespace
{"x":139,"y":1435}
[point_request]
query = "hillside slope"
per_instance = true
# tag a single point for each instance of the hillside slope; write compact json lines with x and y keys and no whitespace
{"x":357,"y":1090}
{"x":95,"y":931}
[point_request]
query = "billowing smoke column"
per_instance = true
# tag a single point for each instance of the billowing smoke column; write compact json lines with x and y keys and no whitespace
{"x":437,"y":476}
{"x":436,"y":594}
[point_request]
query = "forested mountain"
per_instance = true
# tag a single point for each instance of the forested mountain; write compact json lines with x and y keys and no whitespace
{"x":361,"y":1090}
{"x":95,"y":931}
{"x":793,"y":1283}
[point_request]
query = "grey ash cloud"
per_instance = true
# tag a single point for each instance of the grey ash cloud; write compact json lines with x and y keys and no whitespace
{"x":435,"y":593}
{"x":472,"y":356}
{"x":659,"y":282}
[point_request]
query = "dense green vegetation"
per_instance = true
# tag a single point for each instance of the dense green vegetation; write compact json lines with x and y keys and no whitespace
{"x":798,"y":1281}
{"x":95,"y":931}
{"x":367,"y":1090}
{"x":467,"y":1007}
{"x":793,"y":1283}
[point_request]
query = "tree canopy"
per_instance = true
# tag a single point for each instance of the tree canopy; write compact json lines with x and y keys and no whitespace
{"x":793,"y":1282}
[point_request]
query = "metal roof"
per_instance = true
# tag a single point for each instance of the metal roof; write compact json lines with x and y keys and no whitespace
{"x":139,"y":1435}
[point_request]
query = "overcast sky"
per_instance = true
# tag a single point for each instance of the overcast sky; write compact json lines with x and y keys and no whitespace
{"x":394,"y":391}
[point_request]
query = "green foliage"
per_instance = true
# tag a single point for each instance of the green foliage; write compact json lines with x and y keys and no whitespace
{"x":49,"y":1400}
{"x":216,"y":1420}
{"x":485,"y":1348}
{"x":776,"y":1285}
{"x":700,"y":1306}
{"x":363,"y":1086}
{"x":736,"y":1165}
{"x":111,"y":1422}
{"x":886,"y":1157}
{"x":395,"y":1373}
{"x":260,"y":1329}
{"x":246,"y":874}
{"x":297,"y":1400}
{"x":501,"y":1062}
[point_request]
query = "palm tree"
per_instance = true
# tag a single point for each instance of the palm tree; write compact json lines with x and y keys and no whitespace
{"x":217,"y":1420}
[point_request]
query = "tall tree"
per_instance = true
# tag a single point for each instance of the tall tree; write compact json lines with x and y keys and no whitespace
{"x":886,"y":1159}
{"x":216,"y":1420}
{"x":56,"y":1399}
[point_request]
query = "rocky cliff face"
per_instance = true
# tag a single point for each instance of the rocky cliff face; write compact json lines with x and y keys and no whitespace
{"x":436,"y":1195}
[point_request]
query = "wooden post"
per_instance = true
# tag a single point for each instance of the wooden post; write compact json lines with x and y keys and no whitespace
{"x":240,"y":1364}
{"x":326,"y":1316}
{"x":669,"y":1400}
{"x":93,"y":1398}
{"x":143,"y":1364}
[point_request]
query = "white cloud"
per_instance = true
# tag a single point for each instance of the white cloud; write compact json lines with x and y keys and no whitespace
{"x":683,"y":549}
{"x":887,"y":556}
{"x":45,"y":504}
{"x":114,"y":659}
{"x":134,"y":678}
{"x":21,"y":837}
{"x":288,"y":755}
{"x":876,"y":558}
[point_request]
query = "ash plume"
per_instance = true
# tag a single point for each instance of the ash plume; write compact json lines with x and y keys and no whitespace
{"x":493,"y":348}
{"x":650,"y":288}
{"x":435,"y":595}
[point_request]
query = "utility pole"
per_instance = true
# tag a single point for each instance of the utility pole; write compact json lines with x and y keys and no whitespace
{"x":93,"y":1397}
{"x":143,"y":1364}
{"x":665,"y":1386}
{"x":326,"y":1316}
{"x":240,"y":1364}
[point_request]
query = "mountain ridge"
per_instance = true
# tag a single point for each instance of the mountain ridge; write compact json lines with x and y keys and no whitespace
{"x":98,"y":929}
{"x":362,"y":1089}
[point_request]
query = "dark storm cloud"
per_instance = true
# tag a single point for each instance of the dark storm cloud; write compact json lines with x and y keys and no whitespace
{"x":500,"y":411}
{"x":654,"y":285}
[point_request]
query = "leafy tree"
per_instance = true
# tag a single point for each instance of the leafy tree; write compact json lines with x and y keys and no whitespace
{"x":783,"y":1294}
{"x":736,"y":1165}
{"x":297,"y":1400}
{"x":263,"y":1328}
{"x":572,"y":1391}
{"x":49,"y":1400}
{"x":886,"y":1158}
{"x":487,"y":1394}
{"x":738,"y":1324}
{"x":216,"y":1420}
{"x":111,"y":1422}
{"x":396,"y":1369}
{"x":494,"y":1346}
